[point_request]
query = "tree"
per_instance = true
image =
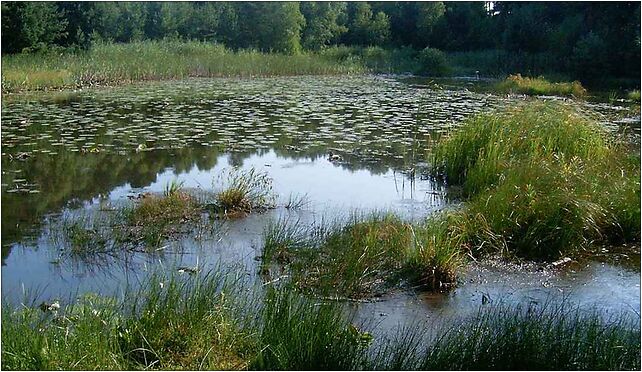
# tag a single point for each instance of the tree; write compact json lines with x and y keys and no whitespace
{"x":324,"y":23}
{"x":31,"y":26}
{"x":121,"y":21}
{"x":271,"y":26}
{"x":428,"y":14}
{"x":81,"y":22}
{"x":366,"y":28}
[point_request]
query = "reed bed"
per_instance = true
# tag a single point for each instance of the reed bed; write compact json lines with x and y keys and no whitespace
{"x":111,"y":64}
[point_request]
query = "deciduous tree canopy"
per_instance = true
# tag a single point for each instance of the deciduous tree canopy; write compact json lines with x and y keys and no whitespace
{"x":587,"y":38}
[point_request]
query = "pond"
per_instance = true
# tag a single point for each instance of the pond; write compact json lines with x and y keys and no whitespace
{"x":341,"y":144}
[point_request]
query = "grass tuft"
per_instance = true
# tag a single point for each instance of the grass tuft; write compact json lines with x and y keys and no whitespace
{"x":246,"y":191}
{"x":212,"y":322}
{"x":364,"y":258}
{"x":550,"y":337}
{"x":543,"y":178}
{"x":540,"y":86}
{"x":634,"y":95}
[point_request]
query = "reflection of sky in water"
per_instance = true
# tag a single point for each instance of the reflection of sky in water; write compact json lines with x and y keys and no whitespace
{"x":333,"y":191}
{"x":325,"y":184}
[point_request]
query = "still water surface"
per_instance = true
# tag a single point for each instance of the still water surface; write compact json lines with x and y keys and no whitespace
{"x":99,"y":147}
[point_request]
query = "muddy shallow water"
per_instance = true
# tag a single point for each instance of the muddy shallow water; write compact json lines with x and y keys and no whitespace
{"x":78,"y":153}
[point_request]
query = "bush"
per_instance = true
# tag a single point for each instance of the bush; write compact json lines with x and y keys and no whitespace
{"x":433,"y":62}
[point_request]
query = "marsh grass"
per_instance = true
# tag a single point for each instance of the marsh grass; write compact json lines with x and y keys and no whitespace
{"x":156,"y":218}
{"x":244,"y":191}
{"x":301,"y":334}
{"x":208,"y":322}
{"x":214,"y":321}
{"x":544,"y":178}
{"x":362,"y":257}
{"x":502,"y":337}
{"x":540,"y":86}
{"x":111,"y":64}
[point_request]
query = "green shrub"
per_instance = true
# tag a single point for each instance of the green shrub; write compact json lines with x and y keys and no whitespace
{"x":433,"y":62}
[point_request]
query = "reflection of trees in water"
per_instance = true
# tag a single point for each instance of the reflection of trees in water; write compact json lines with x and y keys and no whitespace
{"x":74,"y":177}
{"x":69,"y":177}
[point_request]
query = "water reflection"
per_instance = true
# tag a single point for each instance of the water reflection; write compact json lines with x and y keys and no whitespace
{"x":60,"y":157}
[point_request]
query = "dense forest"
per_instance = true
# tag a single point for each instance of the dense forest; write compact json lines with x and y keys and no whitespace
{"x":584,"y":40}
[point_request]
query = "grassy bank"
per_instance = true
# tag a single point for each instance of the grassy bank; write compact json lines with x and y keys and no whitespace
{"x":110,"y":64}
{"x":212,"y":322}
{"x":541,"y":179}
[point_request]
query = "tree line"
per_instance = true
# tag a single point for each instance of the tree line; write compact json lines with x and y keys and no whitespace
{"x":587,"y":38}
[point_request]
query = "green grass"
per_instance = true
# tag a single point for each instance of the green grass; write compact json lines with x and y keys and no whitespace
{"x":299,"y":334}
{"x":634,"y":95}
{"x":156,"y":218}
{"x":541,"y":179}
{"x":244,"y":191}
{"x":361,"y":258}
{"x":551,"y":337}
{"x":113,"y":64}
{"x":215,"y":321}
{"x":539,"y":86}
{"x":110,"y":64}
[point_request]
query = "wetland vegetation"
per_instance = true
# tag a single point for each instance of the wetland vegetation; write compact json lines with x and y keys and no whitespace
{"x":211,"y":321}
{"x":319,"y":185}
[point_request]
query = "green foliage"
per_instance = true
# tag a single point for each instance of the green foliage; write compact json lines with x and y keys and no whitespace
{"x":540,"y":86}
{"x":30,"y":26}
{"x":590,"y":56}
{"x":428,"y":14}
{"x":433,"y":62}
{"x":543,"y":178}
{"x":367,"y":28}
{"x":324,"y":23}
{"x":493,"y":38}
{"x":634,"y":95}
